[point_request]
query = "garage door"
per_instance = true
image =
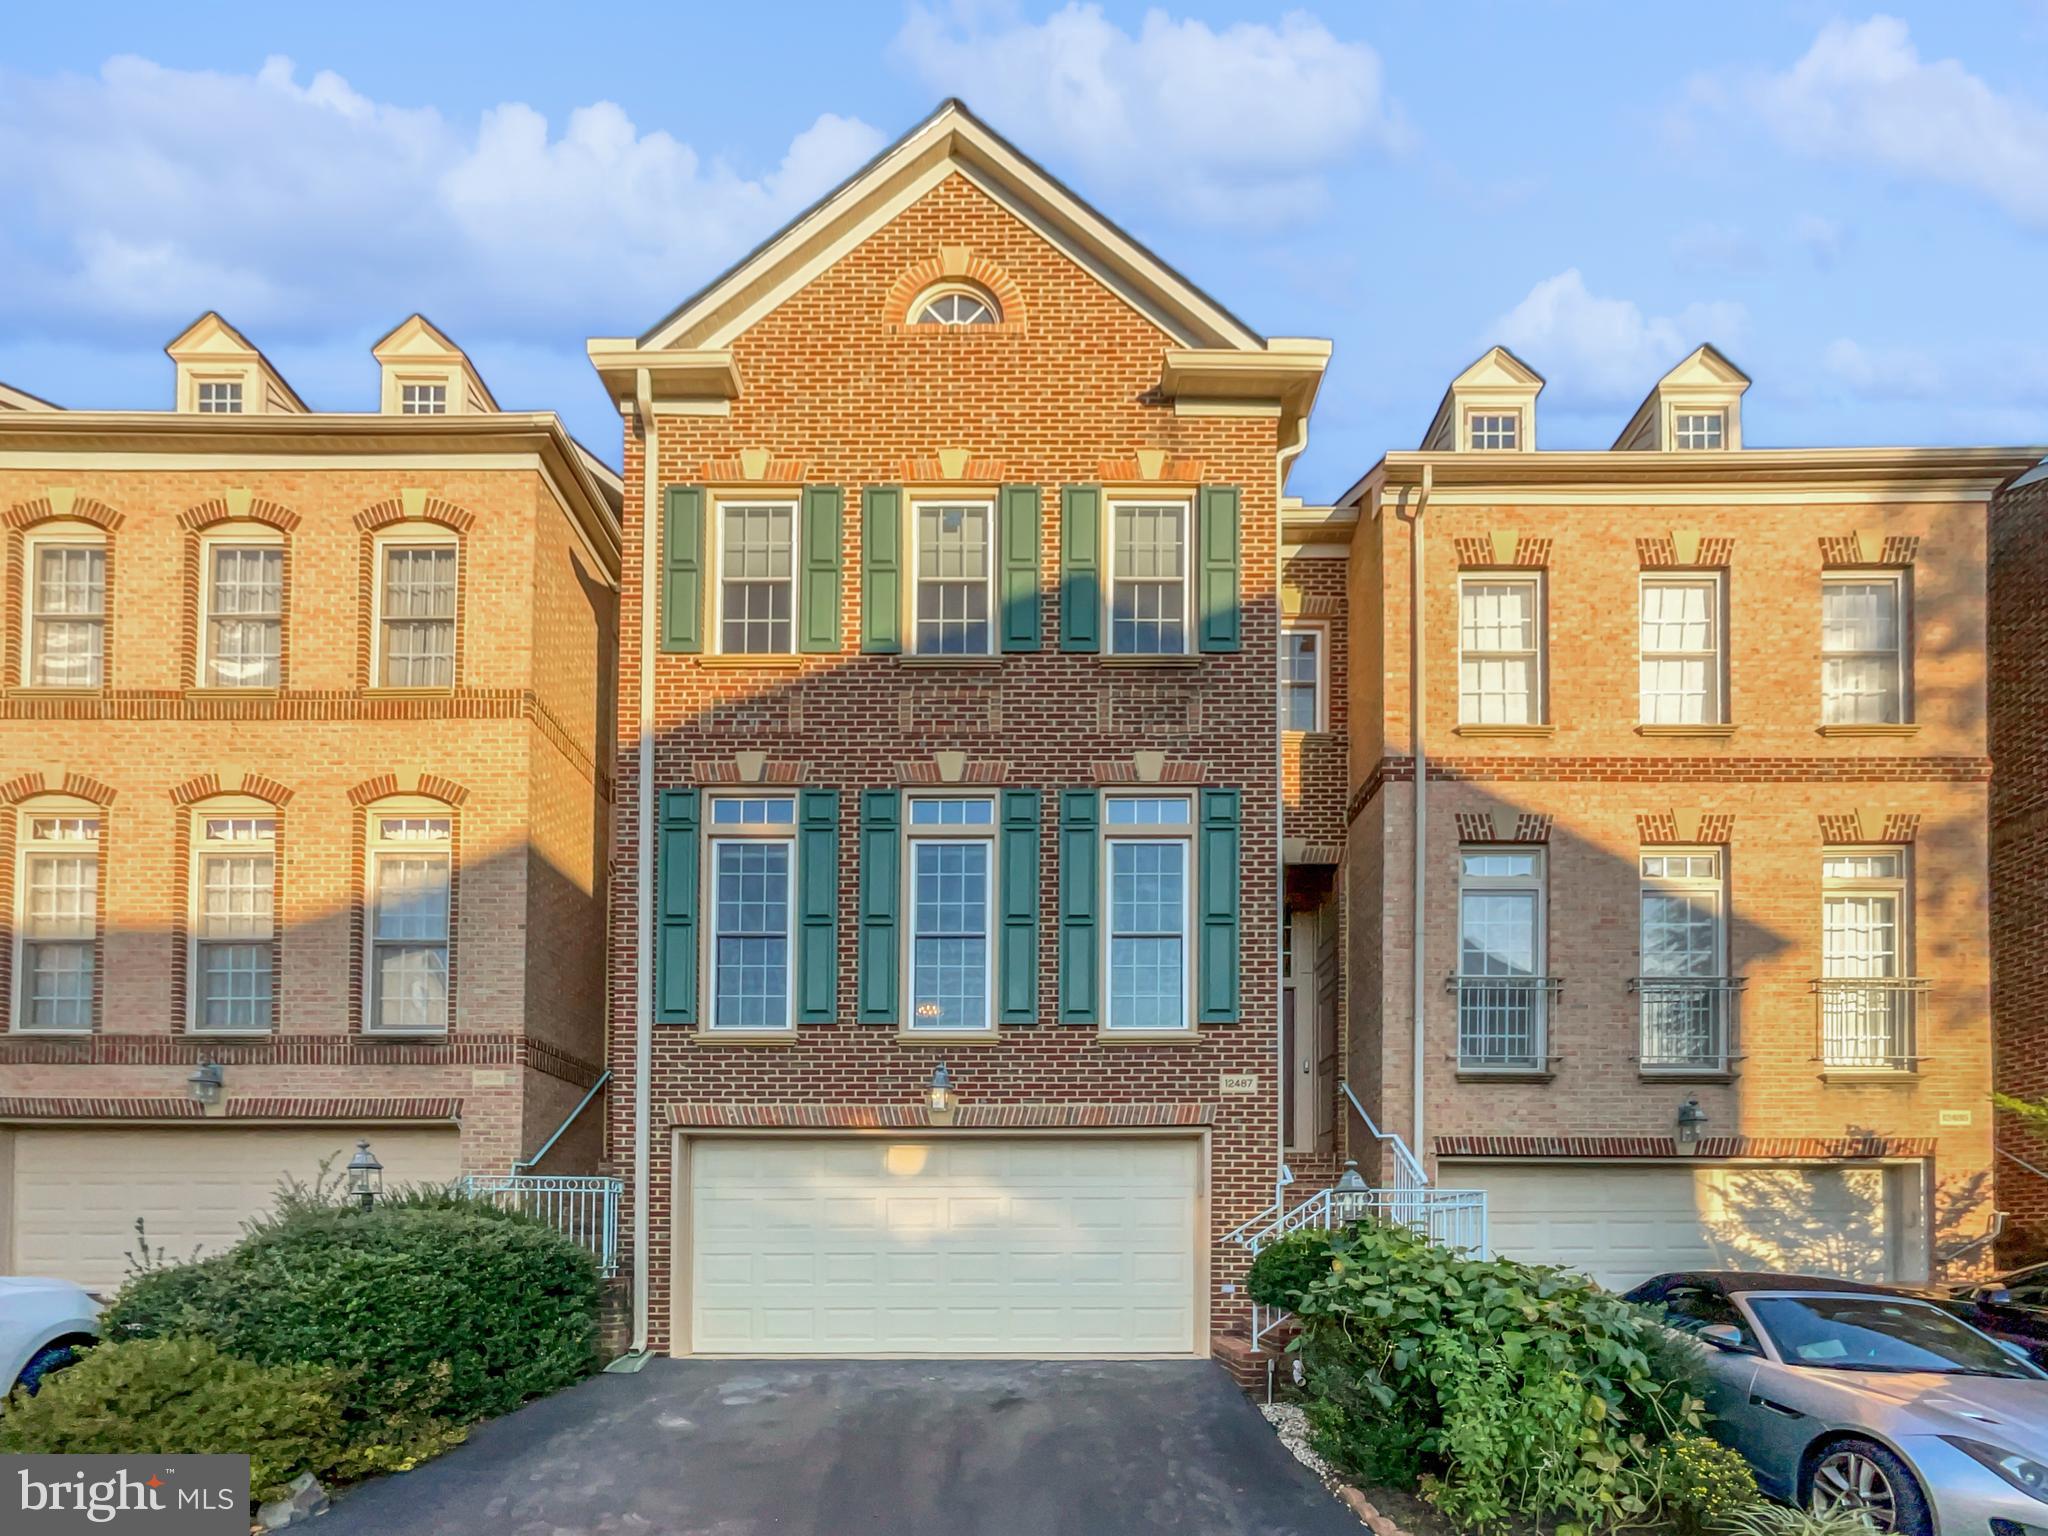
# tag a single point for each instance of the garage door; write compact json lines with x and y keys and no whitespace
{"x":871,"y":1246}
{"x":77,"y":1192}
{"x":1623,"y":1223}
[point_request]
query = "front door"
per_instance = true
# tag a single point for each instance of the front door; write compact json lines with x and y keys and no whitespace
{"x":1308,"y":1025}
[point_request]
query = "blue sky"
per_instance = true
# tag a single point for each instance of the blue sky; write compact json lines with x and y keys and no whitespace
{"x":1852,"y":203}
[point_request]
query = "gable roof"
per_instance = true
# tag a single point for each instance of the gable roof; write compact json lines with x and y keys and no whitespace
{"x":1495,"y":368}
{"x":1706,"y":368}
{"x":12,"y":399}
{"x":211,"y":335}
{"x":951,"y":139}
{"x":416,"y":337}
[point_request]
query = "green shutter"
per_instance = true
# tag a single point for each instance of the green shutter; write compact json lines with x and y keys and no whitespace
{"x":1218,"y":571}
{"x":682,"y":569}
{"x":818,"y":602}
{"x":1017,"y":960}
{"x":1080,"y":567}
{"x":881,"y":568}
{"x":1019,"y":570}
{"x":675,"y":905}
{"x":1217,"y":999}
{"x":1080,"y":895}
{"x":817,"y":884}
{"x":881,"y":853}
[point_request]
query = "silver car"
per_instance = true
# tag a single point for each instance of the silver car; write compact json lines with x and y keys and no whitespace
{"x":1842,"y":1394}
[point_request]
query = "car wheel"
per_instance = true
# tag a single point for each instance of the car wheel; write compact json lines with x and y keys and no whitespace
{"x":51,"y":1357}
{"x":1862,"y":1475}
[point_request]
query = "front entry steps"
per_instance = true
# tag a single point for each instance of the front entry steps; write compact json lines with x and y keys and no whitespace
{"x":1264,"y":1372}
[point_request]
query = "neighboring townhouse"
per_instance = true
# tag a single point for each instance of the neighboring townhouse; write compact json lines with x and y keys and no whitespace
{"x":2019,"y":845}
{"x":304,"y":796}
{"x":946,"y":976}
{"x":1693,"y":967}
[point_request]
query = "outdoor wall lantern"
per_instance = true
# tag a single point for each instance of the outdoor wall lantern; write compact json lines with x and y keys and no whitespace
{"x":365,"y":1176}
{"x":940,"y":1096}
{"x":1349,"y":1197}
{"x":207,"y":1083}
{"x":1690,"y":1118}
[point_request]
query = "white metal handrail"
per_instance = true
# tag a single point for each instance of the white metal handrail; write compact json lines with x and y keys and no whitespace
{"x":584,"y":1207}
{"x":1408,"y":1172}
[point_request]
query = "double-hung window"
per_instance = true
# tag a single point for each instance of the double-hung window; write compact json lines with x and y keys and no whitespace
{"x":1148,"y":578}
{"x":67,"y":610}
{"x":1500,"y":650}
{"x":1493,"y":431}
{"x":57,"y":882}
{"x":1866,"y":996}
{"x":752,"y":900}
{"x":1150,"y":870}
{"x":410,"y":857}
{"x":1503,"y":995}
{"x":951,"y":869}
{"x":1301,"y":678}
{"x":1683,"y":990}
{"x":233,"y":921}
{"x":416,"y":615}
{"x":756,"y":577}
{"x":244,"y":619}
{"x":1863,"y":649}
{"x":1680,"y":661}
{"x":955,"y":577}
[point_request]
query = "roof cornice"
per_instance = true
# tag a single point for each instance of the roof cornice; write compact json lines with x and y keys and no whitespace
{"x":1974,"y":469}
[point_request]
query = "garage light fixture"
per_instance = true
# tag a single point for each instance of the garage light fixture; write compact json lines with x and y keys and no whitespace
{"x":1690,"y":1118}
{"x":940,"y":1096}
{"x":365,"y":1176}
{"x":207,"y":1083}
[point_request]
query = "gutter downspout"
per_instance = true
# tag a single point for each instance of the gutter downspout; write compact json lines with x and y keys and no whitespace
{"x":643,"y":872}
{"x":1289,"y":451}
{"x":1418,"y":722}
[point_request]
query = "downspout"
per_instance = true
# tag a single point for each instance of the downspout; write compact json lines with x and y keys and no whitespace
{"x":643,"y":870}
{"x":1289,"y":451}
{"x":1418,"y":722}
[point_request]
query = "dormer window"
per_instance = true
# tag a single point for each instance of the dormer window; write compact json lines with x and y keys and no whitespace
{"x":1493,"y":431}
{"x":423,"y":400}
{"x":220,"y":397}
{"x":955,"y":306}
{"x":1698,"y":429}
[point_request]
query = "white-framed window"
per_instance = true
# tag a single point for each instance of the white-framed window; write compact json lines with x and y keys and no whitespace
{"x":56,"y":918}
{"x":1503,"y":993}
{"x":1863,"y":649}
{"x":1683,"y":986}
{"x":1680,"y":656}
{"x":1500,"y":650}
{"x":750,"y":879}
{"x":1148,"y":578}
{"x":1492,"y":431}
{"x":951,"y":872}
{"x":423,"y":399}
{"x":241,"y":622}
{"x":219,"y":397}
{"x":955,"y":306}
{"x":233,"y":919}
{"x":411,"y":861}
{"x":1866,"y":999}
{"x":955,"y":566}
{"x":756,"y":577}
{"x":1303,"y":674}
{"x":1149,"y":872}
{"x":66,"y":611}
{"x":416,"y":597}
{"x":1698,"y":429}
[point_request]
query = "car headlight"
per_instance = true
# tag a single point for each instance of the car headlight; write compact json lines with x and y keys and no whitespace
{"x":2023,"y":1472}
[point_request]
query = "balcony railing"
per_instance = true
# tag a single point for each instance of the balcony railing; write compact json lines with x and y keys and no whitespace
{"x":1688,"y":1022}
{"x":1869,"y":1023}
{"x":582,"y":1207}
{"x":1504,"y":1022}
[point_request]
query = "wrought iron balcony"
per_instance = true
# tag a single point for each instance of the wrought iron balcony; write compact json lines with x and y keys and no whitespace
{"x":1687,"y":1023}
{"x":1869,"y":1023}
{"x":1504,"y":1022}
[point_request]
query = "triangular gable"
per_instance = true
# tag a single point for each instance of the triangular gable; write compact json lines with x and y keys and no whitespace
{"x":12,"y":399}
{"x":1496,"y":374}
{"x":210,"y":340}
{"x":1704,"y":376}
{"x":951,"y":140}
{"x":417,"y":340}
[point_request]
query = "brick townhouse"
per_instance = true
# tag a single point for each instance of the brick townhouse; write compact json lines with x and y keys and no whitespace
{"x":946,"y":969}
{"x":1694,"y":966}
{"x":305,"y":779}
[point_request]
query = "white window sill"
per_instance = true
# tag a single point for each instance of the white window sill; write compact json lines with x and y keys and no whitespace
{"x":390,"y":691}
{"x":781,"y":660}
{"x":744,"y":1036}
{"x":270,"y":691}
{"x":1504,"y":730}
{"x":1170,"y":661}
{"x":46,"y":691}
{"x":948,"y":661}
{"x":948,"y":1037}
{"x":1904,"y":728}
{"x":1710,"y":731}
{"x":1104,"y":1035}
{"x":51,"y":1032}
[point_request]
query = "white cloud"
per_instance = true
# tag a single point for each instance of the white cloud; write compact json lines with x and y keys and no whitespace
{"x":1600,"y":349}
{"x":1863,"y":93}
{"x":147,"y":194}
{"x":1238,"y":124}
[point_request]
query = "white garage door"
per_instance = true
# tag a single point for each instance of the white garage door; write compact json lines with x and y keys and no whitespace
{"x":77,"y":1191}
{"x":1003,"y":1247}
{"x":1623,"y":1223}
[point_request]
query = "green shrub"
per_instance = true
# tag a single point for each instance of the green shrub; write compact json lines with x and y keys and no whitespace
{"x":1286,"y":1268}
{"x":1698,"y":1484}
{"x":438,"y":1307}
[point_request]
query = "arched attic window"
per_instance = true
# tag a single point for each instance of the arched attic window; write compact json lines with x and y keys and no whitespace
{"x":955,"y":304}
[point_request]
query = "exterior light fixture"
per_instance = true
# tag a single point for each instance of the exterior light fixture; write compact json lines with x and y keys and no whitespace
{"x":940,"y":1096}
{"x":1690,"y":1118}
{"x":365,"y":1176}
{"x":207,"y":1083}
{"x":1348,"y":1194}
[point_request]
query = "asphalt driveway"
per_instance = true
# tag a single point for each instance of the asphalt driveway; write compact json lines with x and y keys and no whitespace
{"x":824,"y":1448}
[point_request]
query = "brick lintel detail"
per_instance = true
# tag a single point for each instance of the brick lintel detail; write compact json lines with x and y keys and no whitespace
{"x":158,"y":1107}
{"x":914,"y":1117}
{"x":1708,"y":1148}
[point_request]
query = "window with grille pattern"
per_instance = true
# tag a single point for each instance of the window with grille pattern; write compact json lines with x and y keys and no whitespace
{"x":1684,"y":1006}
{"x":1862,"y":677}
{"x":244,"y":615}
{"x":1698,"y":429}
{"x":233,"y":923}
{"x":67,"y":614}
{"x":220,"y":397}
{"x":1502,"y":996}
{"x":1148,"y":579}
{"x":1149,"y":870}
{"x":1500,"y":651}
{"x":57,"y":920}
{"x":410,"y":861}
{"x":1301,"y":679}
{"x":423,"y":399}
{"x":752,"y":901}
{"x":953,"y":570}
{"x":757,"y":579}
{"x":417,"y":608}
{"x":1680,"y":651}
{"x":1491,"y":431}
{"x":952,"y":867}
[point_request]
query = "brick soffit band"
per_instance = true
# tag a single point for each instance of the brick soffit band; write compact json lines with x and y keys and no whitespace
{"x":915,"y":1117}
{"x":164,"y":1108}
{"x":1708,"y":1148}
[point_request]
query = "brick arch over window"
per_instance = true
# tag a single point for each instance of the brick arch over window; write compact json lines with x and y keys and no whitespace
{"x":15,"y":792}
{"x":18,"y":520}
{"x":389,"y":514}
{"x":361,"y":798}
{"x":185,"y":799}
{"x":956,"y":266}
{"x":194,"y":521}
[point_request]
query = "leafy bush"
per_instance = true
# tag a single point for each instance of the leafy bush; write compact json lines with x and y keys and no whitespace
{"x":1699,"y":1484}
{"x":1508,"y":1394}
{"x":1287,"y":1267}
{"x":437,"y":1307}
